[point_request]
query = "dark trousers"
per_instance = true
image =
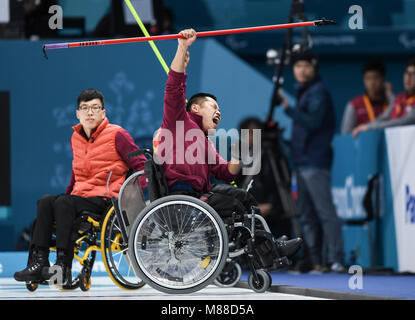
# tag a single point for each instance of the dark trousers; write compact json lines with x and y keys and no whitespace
{"x":62,"y":210}
{"x":227,"y":196}
{"x":321,"y":225}
{"x":225,"y":199}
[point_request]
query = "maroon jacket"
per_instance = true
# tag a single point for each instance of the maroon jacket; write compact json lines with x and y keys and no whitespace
{"x":189,"y":156}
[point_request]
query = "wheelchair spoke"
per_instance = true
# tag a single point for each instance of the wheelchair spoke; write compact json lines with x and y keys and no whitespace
{"x":189,"y":217}
{"x":115,"y":242}
{"x":115,"y":247}
{"x":116,"y":226}
{"x":159,"y":215}
{"x":119,"y":252}
{"x":119,"y":260}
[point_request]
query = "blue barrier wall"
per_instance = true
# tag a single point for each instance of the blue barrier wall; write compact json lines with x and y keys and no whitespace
{"x":371,"y":244}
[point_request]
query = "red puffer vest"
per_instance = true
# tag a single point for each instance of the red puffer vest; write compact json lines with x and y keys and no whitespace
{"x":96,"y":162}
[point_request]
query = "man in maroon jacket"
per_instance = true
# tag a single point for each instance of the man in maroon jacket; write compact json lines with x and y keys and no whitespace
{"x":187,"y":156}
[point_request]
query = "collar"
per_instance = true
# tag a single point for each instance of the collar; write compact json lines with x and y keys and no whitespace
{"x":95,"y":132}
{"x":304,"y":86}
{"x":380,"y":101}
{"x":409,"y":95}
{"x":196,"y":118}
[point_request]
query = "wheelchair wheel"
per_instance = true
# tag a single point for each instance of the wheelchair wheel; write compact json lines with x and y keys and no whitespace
{"x":178,"y":244}
{"x":263,"y":283}
{"x":230,"y":275}
{"x":114,"y":254}
{"x":31,"y":286}
{"x":84,"y":281}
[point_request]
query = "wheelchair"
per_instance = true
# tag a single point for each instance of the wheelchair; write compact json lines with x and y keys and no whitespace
{"x":93,"y":232}
{"x":179,"y":244}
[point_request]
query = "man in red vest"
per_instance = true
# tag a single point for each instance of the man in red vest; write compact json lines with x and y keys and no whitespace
{"x":402,"y":111}
{"x":374,"y":101}
{"x":99,"y":168}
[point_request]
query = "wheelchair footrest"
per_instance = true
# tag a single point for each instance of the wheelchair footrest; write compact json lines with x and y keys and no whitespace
{"x":281,"y":262}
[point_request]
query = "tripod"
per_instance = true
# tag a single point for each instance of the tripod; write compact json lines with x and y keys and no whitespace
{"x":271,"y":149}
{"x":271,"y":153}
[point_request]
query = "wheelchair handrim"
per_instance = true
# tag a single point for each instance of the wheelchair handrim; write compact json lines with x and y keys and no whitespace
{"x":118,"y":282}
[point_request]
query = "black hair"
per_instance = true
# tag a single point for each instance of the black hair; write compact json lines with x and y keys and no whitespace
{"x":308,"y":56}
{"x":245,"y":123}
{"x":375,"y":65}
{"x":411,"y":63}
{"x":197,"y":98}
{"x":90,"y":94}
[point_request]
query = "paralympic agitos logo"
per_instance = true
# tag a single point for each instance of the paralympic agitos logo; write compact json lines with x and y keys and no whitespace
{"x":410,"y":206}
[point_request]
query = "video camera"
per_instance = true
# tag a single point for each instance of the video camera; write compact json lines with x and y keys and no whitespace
{"x":279,"y":58}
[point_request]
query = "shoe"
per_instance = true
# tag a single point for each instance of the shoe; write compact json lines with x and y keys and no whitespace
{"x":318,"y":269}
{"x":287,"y":248}
{"x":62,"y":269}
{"x":304,"y":266}
{"x":337,"y":267}
{"x":282,"y":238}
{"x":33,"y":272}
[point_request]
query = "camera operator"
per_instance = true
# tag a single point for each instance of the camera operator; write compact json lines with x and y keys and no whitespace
{"x":312,"y":133}
{"x":264,"y":188}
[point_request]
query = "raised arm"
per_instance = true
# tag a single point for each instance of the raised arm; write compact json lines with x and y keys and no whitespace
{"x":175,"y":91}
{"x":181,"y":59}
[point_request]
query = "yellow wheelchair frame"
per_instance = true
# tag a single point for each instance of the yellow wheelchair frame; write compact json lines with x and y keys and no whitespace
{"x":104,"y":236}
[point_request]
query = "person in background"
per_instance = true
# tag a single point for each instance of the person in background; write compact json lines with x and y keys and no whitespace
{"x":402,"y":111}
{"x":264,"y":187}
{"x":375,"y":100}
{"x":312,"y":156}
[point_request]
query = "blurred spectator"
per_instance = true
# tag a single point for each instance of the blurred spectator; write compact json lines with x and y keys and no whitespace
{"x":374,"y":101}
{"x":402,"y":111}
{"x":264,"y":187}
{"x":167,"y":26}
{"x":120,"y":22}
{"x":312,"y":134}
{"x":36,"y":18}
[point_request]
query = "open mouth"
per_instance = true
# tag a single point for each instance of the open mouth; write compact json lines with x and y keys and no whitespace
{"x":216,"y":120}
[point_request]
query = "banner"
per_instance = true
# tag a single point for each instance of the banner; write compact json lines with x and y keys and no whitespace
{"x":401,"y":154}
{"x":355,"y":162}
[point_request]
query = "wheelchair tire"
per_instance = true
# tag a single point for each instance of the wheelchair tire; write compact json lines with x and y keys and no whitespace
{"x":230,"y":275}
{"x":178,"y":244}
{"x":84,"y":281}
{"x":264,"y":281}
{"x":31,"y":286}
{"x":113,"y":250}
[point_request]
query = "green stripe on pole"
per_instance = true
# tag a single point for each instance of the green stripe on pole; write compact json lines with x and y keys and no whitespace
{"x":144,"y":30}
